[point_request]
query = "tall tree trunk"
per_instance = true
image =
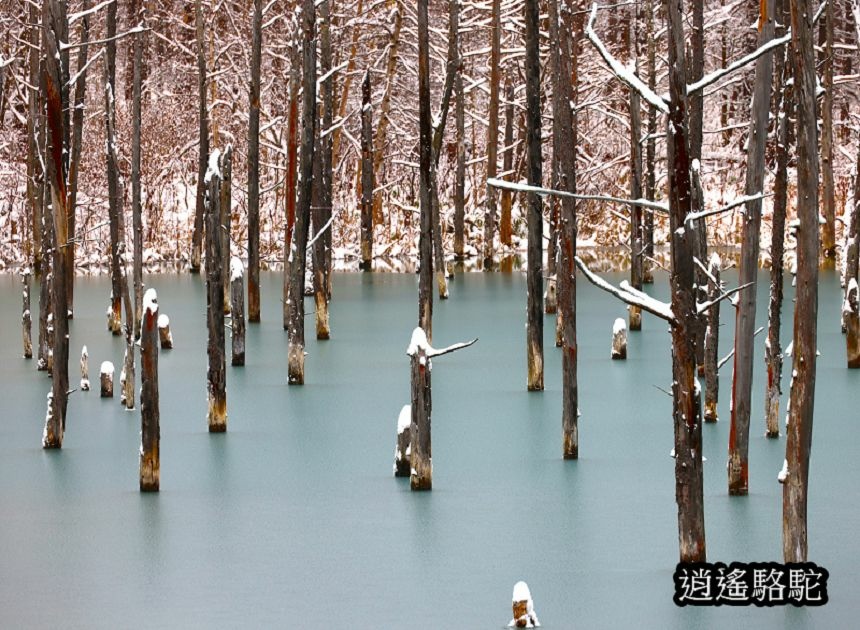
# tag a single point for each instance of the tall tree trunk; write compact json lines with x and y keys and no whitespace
{"x":828,"y":232}
{"x":738,"y":466}
{"x":296,"y":353}
{"x":52,"y":81}
{"x":802,"y":395}
{"x":534,"y":277}
{"x":773,"y":347}
{"x":136,"y":211}
{"x":688,"y":429}
{"x":203,"y":119}
{"x":366,"y":175}
{"x":460,"y":174}
{"x":712,"y":338}
{"x":225,"y":207}
{"x":323,"y":212}
{"x":150,"y":416}
{"x":493,"y":131}
{"x":698,"y":227}
{"x":35,"y":174}
{"x":75,"y":158}
{"x":217,"y":370}
{"x":505,"y":225}
{"x":292,"y":167}
{"x":425,"y":153}
{"x":237,"y":311}
{"x":651,"y":144}
{"x":115,"y":197}
{"x":26,"y":319}
{"x":254,"y":165}
{"x":636,"y":241}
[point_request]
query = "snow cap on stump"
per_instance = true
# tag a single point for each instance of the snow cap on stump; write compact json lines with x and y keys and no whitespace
{"x":524,"y":610}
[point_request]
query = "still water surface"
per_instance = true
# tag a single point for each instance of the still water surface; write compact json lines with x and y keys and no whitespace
{"x":292,"y":518}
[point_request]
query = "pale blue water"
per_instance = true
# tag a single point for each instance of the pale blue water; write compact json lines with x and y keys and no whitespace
{"x":292,"y":518}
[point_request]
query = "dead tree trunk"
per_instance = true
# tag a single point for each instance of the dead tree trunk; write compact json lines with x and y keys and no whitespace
{"x":203,"y":119}
{"x":46,"y":282}
{"x":402,"y":454}
{"x":296,"y":352}
{"x":26,"y":320}
{"x":254,"y":165}
{"x":773,"y":347}
{"x":106,"y":372}
{"x":366,"y":176}
{"x":35,"y":139}
{"x":347,"y":81}
{"x":534,"y":277}
{"x":136,"y":210}
{"x":150,"y":431}
{"x":425,"y":244}
{"x":505,"y":226}
{"x":738,"y":466}
{"x":712,"y":336}
{"x":85,"y":370}
{"x":828,"y":232}
{"x":802,"y":396}
{"x":292,"y":167}
{"x":52,"y":81}
{"x":636,"y":241}
{"x":224,"y":220}
{"x":237,"y":311}
{"x":850,"y":310}
{"x":165,"y":337}
{"x":323,"y":213}
{"x":117,"y":238}
{"x":651,"y":144}
{"x":217,"y":372}
{"x":460,"y":175}
{"x":493,"y":131}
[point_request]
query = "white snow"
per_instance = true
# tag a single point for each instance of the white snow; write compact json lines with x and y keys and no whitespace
{"x":789,"y":349}
{"x":163,"y":320}
{"x":619,"y":326}
{"x":404,"y":420}
{"x":213,"y":168}
{"x":150,"y":302}
{"x":236,"y":269}
{"x":107,"y":368}
{"x":783,"y":474}
{"x":522,"y":594}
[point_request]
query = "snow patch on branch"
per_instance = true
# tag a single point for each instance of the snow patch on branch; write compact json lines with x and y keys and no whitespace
{"x":628,"y":294}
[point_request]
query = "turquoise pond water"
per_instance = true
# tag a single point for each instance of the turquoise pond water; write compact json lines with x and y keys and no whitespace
{"x":293,"y":519}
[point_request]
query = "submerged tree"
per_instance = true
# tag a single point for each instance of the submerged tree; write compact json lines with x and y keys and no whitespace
{"x":254,"y":165}
{"x":203,"y":154}
{"x":425,"y":153}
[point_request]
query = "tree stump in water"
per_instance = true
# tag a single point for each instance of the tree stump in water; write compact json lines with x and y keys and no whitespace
{"x":851,"y":310}
{"x":402,"y":453}
{"x":712,"y":379}
{"x":106,"y":379}
{"x":26,"y":320}
{"x":85,"y":370}
{"x":237,"y":311}
{"x":619,"y":339}
{"x":523,"y":607}
{"x":217,"y":368}
{"x":164,"y":334}
{"x":150,"y":431}
{"x":550,"y":297}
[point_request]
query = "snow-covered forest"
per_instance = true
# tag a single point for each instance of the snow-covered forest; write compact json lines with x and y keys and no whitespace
{"x":379,"y":38}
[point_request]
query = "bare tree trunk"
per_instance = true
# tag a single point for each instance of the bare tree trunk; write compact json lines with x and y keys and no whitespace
{"x":52,"y":81}
{"x":136,"y":211}
{"x":688,"y":429}
{"x":26,"y":322}
{"x":773,"y":347}
{"x":225,"y":206}
{"x":254,"y":165}
{"x":150,"y":416}
{"x":636,"y":241}
{"x":460,"y":176}
{"x":802,"y":396}
{"x":366,"y":176}
{"x":493,"y":132}
{"x":347,"y":79}
{"x":851,"y":309}
{"x":420,"y":444}
{"x":217,"y":370}
{"x":203,"y":118}
{"x":296,"y":352}
{"x":828,"y":232}
{"x":117,"y":237}
{"x":237,"y":311}
{"x":426,"y":175}
{"x":738,"y":466}
{"x":75,"y":158}
{"x":534,"y":277}
{"x":323,"y":213}
{"x":651,"y":144}
{"x":698,"y":227}
{"x":46,"y":281}
{"x":712,"y":336}
{"x":35,"y":141}
{"x":292,"y":165}
{"x":505,"y":226}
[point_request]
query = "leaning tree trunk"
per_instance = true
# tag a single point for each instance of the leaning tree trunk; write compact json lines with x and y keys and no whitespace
{"x":802,"y":396}
{"x":55,"y":422}
{"x":296,"y":352}
{"x":366,"y":176}
{"x":534,"y":277}
{"x":203,"y":119}
{"x":425,"y":244}
{"x":738,"y":465}
{"x":323,"y":213}
{"x":117,"y":237}
{"x":688,"y":429}
{"x":150,"y":416}
{"x":493,"y":132}
{"x":254,"y":165}
{"x":217,"y":370}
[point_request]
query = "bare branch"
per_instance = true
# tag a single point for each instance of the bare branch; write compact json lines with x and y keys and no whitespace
{"x":651,"y":205}
{"x":726,"y":358}
{"x":627,"y":294}
{"x":701,"y":307}
{"x":740,"y":201}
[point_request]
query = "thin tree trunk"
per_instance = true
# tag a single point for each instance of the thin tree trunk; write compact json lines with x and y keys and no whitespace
{"x":493,"y":131}
{"x":698,"y":227}
{"x":460,"y":175}
{"x":738,"y":466}
{"x":225,"y":206}
{"x":323,"y":213}
{"x":347,"y":79}
{"x":296,"y":352}
{"x":26,"y":320}
{"x":505,"y":225}
{"x":688,"y":429}
{"x":712,"y":337}
{"x":35,"y":145}
{"x":651,"y":144}
{"x":828,"y":232}
{"x":254,"y":165}
{"x":136,"y":211}
{"x":425,"y":244}
{"x":367,"y":173}
{"x":150,"y":416}
{"x":802,"y":396}
{"x":203,"y":119}
{"x":46,"y":279}
{"x":292,"y":166}
{"x":237,"y":311}
{"x":217,"y":370}
{"x":534,"y":277}
{"x":117,"y":237}
{"x":636,"y":240}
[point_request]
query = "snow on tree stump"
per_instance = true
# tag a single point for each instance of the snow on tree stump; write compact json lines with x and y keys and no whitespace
{"x":106,"y":379}
{"x":523,"y":607}
{"x":85,"y":370}
{"x":619,"y":339}
{"x":851,"y":311}
{"x":150,"y":432}
{"x":237,"y":311}
{"x":401,"y":450}
{"x":26,"y":320}
{"x":421,"y":352}
{"x":164,"y":335}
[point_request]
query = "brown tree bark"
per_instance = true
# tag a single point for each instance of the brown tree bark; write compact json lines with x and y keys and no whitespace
{"x":493,"y":131}
{"x":136,"y":210}
{"x":254,"y":165}
{"x":292,"y":167}
{"x":828,"y":232}
{"x":651,"y":144}
{"x":712,"y":337}
{"x":637,"y":252}
{"x":421,"y":477}
{"x":203,"y":119}
{"x":237,"y":312}
{"x":460,"y":174}
{"x":35,"y":139}
{"x":115,"y":199}
{"x":323,"y":213}
{"x":150,"y":416}
{"x":367,"y":173}
{"x":217,"y":369}
{"x":26,"y":320}
{"x":505,"y":225}
{"x":225,"y":206}
{"x":802,"y":395}
{"x":426,"y":175}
